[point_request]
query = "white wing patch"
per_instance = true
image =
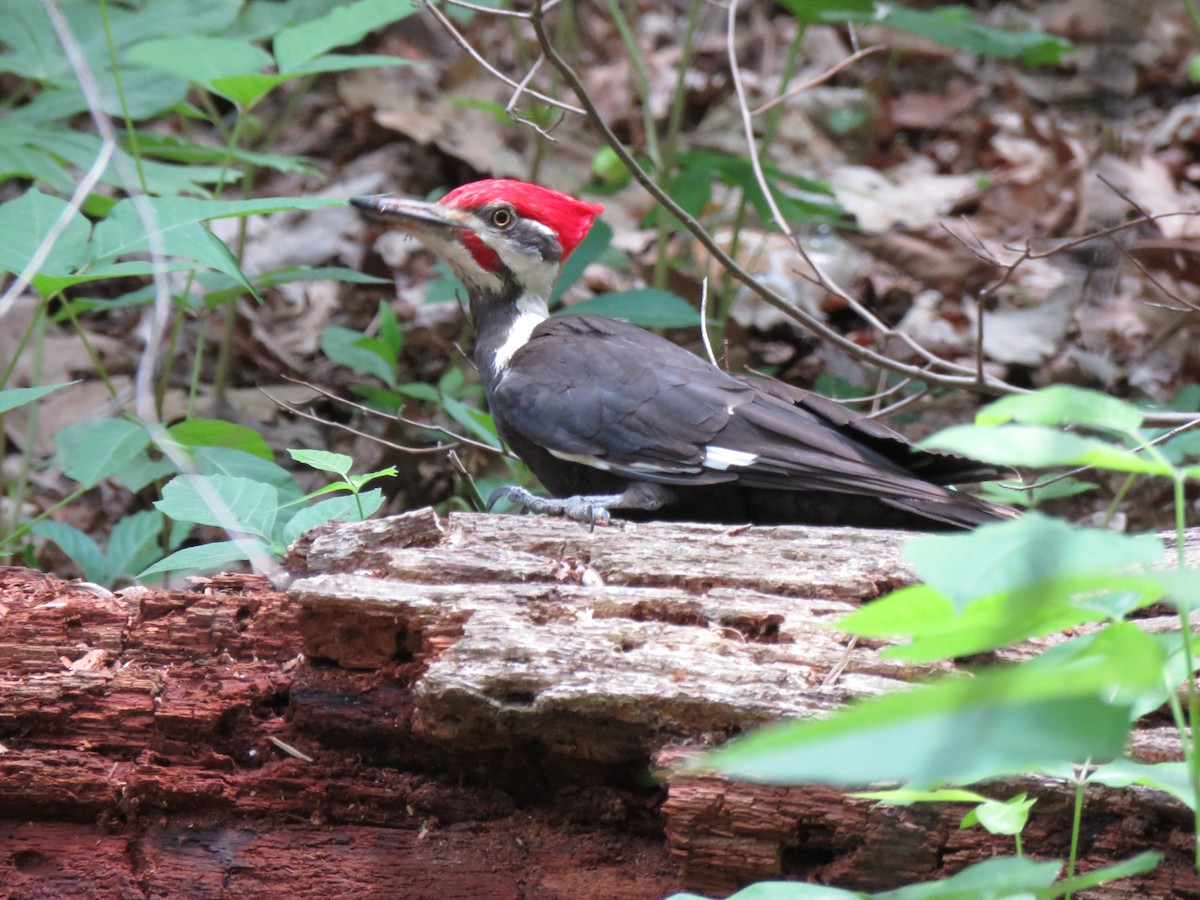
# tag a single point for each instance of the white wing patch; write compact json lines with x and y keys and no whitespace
{"x":722,"y":458}
{"x":624,"y":468}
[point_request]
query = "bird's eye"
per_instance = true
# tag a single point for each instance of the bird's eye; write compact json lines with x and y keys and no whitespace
{"x":502,"y":218}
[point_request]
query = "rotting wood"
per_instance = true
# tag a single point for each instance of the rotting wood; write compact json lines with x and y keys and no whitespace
{"x":619,"y":646}
{"x":477,"y":688}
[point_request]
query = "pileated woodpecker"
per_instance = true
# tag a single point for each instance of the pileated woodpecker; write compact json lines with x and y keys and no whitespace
{"x":610,"y":416}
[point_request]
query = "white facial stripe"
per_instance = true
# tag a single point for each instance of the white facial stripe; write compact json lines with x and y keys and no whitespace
{"x":532,"y":272}
{"x":518,"y":334}
{"x":722,"y":458}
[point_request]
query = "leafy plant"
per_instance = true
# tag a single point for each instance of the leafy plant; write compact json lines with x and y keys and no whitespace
{"x":148,"y":62}
{"x":1074,"y":703}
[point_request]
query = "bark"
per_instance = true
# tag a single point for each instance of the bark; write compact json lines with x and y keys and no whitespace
{"x":473,"y":707}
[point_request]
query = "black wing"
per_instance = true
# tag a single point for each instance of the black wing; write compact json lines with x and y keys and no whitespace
{"x":619,"y":398}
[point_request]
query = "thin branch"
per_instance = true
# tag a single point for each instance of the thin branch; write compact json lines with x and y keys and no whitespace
{"x":807,"y":320}
{"x":822,"y":278}
{"x":313,"y":417}
{"x":457,"y":438}
{"x":820,"y":79}
{"x":511,"y":107}
{"x":475,"y":55}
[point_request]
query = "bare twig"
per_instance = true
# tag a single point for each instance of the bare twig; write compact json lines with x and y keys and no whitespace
{"x":807,"y":320}
{"x":456,"y":438}
{"x":461,"y":40}
{"x":320,"y":420}
{"x":511,"y":106}
{"x":820,"y":79}
{"x":822,"y":278}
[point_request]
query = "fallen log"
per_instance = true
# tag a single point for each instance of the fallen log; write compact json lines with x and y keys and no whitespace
{"x":479,"y":706}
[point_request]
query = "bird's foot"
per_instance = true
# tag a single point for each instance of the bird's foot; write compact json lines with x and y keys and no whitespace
{"x":590,"y":510}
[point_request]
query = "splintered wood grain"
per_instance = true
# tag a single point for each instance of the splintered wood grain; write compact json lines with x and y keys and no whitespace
{"x":631,"y":647}
{"x":180,"y":745}
{"x":477,"y":706}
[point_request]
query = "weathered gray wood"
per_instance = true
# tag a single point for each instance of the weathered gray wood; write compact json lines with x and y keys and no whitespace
{"x":624,"y":645}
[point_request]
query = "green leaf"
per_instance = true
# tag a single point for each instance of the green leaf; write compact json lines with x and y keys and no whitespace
{"x":325,"y":460}
{"x":14,"y":397}
{"x":141,"y":470}
{"x":800,"y":199}
{"x":389,"y":330}
{"x":951,"y":26}
{"x":180,"y":229}
{"x":203,"y":558}
{"x":236,"y":504}
{"x":1020,"y":553}
{"x":1169,"y":777}
{"x":82,"y":550}
{"x":647,"y":307}
{"x":358,"y":482}
{"x":1040,"y":447}
{"x":340,"y":508}
{"x":782,"y":890}
{"x":297,"y":46}
{"x":133,"y":544}
{"x":958,"y":730}
{"x":337,"y":62}
{"x":908,"y":796}
{"x":355,"y":350}
{"x":1001,"y":878}
{"x":216,"y":63}
{"x":1055,"y":490}
{"x":235,"y":463}
{"x":1063,"y":404}
{"x":1001,"y":816}
{"x":1143,"y":862}
{"x":1008,"y":582}
{"x":25,"y":223}
{"x":587,"y":252}
{"x":91,"y":451}
{"x":954,"y":27}
{"x":476,"y":421}
{"x":218,"y":433}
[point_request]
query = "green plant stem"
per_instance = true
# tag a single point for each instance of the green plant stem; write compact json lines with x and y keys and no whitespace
{"x":1077,"y":820}
{"x":1188,"y":729}
{"x":1017,"y":840}
{"x":224,"y":364}
{"x":1118,"y":497}
{"x":1188,"y":736}
{"x":134,"y":147}
{"x":29,"y":331}
{"x":296,"y":96}
{"x":21,"y":485}
{"x":1189,"y":748}
{"x":25,"y":527}
{"x":97,"y":363}
{"x":641,"y":80}
{"x":197,"y":365}
{"x":1193,"y":14}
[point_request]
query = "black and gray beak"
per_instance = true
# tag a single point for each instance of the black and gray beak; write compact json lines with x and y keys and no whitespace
{"x":402,"y":211}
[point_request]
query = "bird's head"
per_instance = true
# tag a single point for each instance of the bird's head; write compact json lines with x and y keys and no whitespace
{"x":501,"y":237}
